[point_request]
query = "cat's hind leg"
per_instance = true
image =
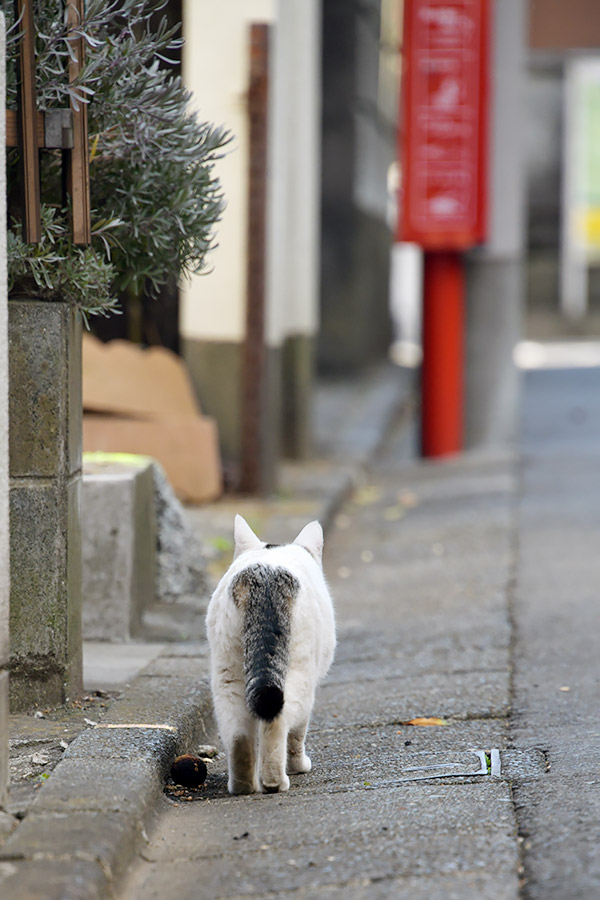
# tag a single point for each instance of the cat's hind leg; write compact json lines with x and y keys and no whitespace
{"x":241,"y":755}
{"x":297,"y":760}
{"x":238,"y":733}
{"x":272,"y":753}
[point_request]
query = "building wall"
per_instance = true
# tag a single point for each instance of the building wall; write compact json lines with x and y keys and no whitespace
{"x":556,"y":24}
{"x":359,"y":146}
{"x":213,"y":306}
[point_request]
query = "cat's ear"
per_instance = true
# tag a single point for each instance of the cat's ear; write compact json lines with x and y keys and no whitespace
{"x":311,"y":538}
{"x":244,"y":538}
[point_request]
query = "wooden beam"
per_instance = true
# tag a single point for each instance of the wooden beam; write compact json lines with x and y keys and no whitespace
{"x":27,"y":126}
{"x":78,"y":176}
{"x":54,"y":129}
{"x":254,"y":474}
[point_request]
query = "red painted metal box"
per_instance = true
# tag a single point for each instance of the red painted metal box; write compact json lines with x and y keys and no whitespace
{"x":443,"y":123}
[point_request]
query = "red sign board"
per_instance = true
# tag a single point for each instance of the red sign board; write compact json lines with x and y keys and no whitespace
{"x":443,"y":123}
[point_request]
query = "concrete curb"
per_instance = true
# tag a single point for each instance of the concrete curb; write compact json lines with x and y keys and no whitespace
{"x":89,"y":819}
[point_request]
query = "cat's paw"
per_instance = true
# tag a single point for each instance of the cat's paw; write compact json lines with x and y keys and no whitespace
{"x":299,"y":765}
{"x":237,"y":786}
{"x":275,"y":788}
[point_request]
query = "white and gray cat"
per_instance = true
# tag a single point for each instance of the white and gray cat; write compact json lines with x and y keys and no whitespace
{"x":271,"y":632}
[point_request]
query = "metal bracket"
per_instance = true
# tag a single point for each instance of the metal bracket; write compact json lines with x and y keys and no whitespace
{"x":494,"y":770}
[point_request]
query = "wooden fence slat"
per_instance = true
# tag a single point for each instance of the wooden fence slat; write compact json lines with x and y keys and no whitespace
{"x":78,"y":164}
{"x":27,"y":122}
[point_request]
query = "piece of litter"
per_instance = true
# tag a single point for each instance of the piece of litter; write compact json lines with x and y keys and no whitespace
{"x":208,"y":751}
{"x":38,"y":714}
{"x":137,"y":725}
{"x":63,"y":744}
{"x":423,"y":720}
{"x":496,"y":769}
{"x":565,"y":689}
{"x":90,"y":722}
{"x":40,"y":759}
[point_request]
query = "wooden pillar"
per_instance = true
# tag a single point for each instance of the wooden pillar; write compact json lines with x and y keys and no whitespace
{"x":253,"y":474}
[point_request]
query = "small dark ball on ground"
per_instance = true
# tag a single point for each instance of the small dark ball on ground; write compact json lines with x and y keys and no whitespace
{"x":189,"y":771}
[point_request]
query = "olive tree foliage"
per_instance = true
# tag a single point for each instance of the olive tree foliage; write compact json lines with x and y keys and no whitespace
{"x":154,"y":194}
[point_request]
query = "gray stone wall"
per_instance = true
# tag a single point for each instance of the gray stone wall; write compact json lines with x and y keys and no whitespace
{"x":4,"y":549}
{"x":45,"y":479}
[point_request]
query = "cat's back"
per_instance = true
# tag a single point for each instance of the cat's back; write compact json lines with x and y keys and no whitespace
{"x":271,"y":564}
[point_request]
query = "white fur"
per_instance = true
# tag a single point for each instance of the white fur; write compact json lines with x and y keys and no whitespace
{"x":260,"y":754}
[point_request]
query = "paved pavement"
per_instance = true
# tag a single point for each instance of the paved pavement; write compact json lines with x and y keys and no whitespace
{"x":418,"y":565}
{"x":465,"y":591}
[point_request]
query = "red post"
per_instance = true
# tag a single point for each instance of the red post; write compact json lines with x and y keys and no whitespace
{"x":443,"y":200}
{"x":442,"y":372}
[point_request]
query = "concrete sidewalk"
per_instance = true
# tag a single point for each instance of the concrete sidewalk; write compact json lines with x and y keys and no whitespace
{"x":419,"y":562}
{"x":466,"y":591}
{"x":86,"y":778}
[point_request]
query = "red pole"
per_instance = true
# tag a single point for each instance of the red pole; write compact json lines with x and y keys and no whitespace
{"x":442,"y":372}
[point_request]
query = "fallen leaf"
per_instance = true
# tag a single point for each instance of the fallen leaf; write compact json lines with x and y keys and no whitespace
{"x":342,"y":521}
{"x":394,"y":513}
{"x":408,"y":498}
{"x":366,"y":495}
{"x":424,"y":720}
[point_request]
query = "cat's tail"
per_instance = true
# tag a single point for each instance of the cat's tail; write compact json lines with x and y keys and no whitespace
{"x":265,"y":595}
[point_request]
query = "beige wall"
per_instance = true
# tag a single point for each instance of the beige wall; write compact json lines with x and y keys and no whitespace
{"x":294,"y":201}
{"x":215,"y":68}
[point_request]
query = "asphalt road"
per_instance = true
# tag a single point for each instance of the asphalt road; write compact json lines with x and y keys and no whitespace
{"x":557,"y":633}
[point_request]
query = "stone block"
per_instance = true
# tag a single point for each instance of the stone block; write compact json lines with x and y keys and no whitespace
{"x":37,"y":621}
{"x":118,"y":548}
{"x":45,"y":371}
{"x":44,"y":464}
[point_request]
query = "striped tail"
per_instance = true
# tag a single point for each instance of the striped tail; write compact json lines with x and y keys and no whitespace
{"x":265,"y":595}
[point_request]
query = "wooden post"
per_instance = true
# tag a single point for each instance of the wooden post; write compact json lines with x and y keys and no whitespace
{"x":27,"y":125}
{"x":78,"y":173}
{"x":254,"y":363}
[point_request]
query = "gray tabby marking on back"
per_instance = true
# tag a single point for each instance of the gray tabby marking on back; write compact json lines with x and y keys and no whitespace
{"x":265,"y":595}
